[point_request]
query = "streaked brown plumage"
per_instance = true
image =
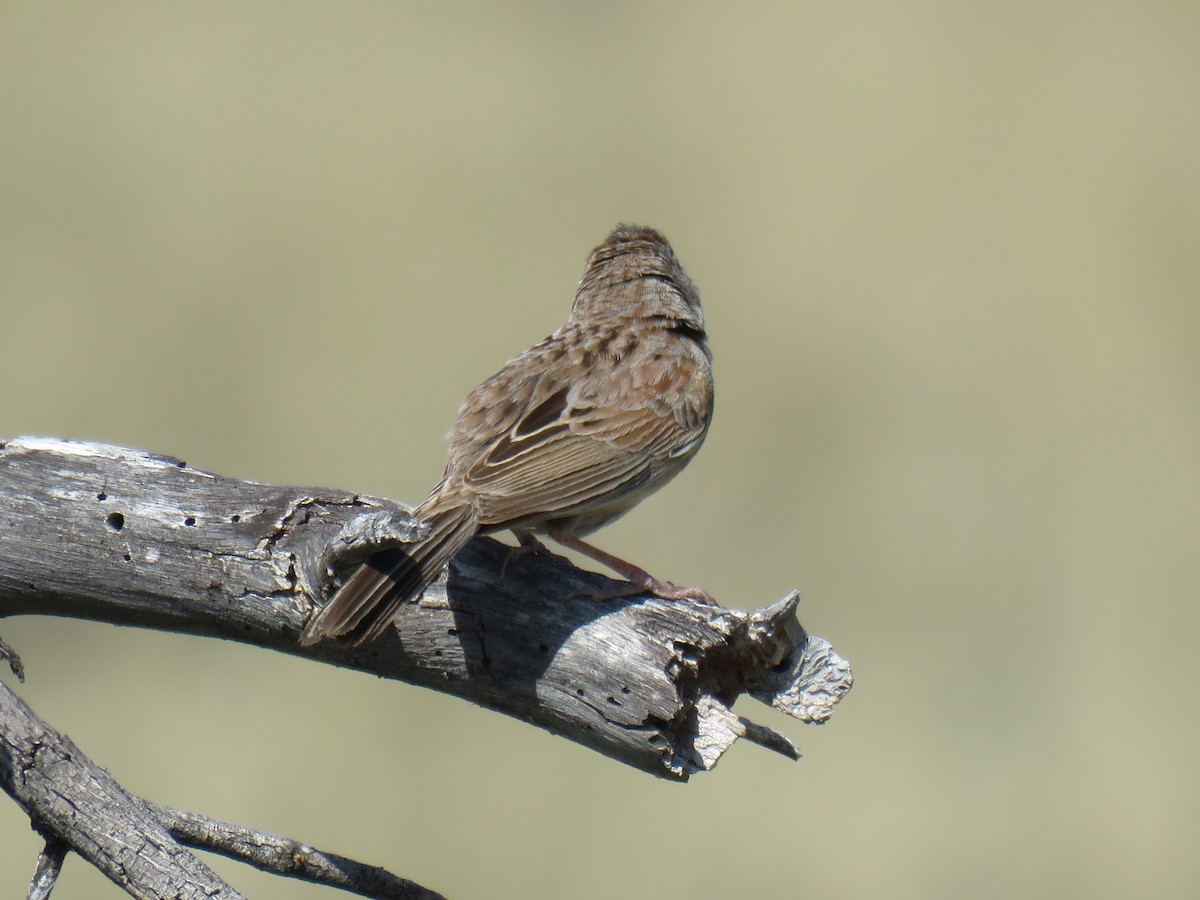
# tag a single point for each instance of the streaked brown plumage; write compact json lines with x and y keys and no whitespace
{"x":566,"y":437}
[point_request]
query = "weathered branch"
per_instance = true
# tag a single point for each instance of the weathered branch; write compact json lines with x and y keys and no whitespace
{"x":140,"y":845}
{"x":49,"y":865}
{"x":102,"y":532}
{"x":76,"y":802}
{"x":285,"y":856}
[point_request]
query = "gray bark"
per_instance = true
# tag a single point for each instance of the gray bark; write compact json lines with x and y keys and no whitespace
{"x":79,"y":804}
{"x":141,"y":846}
{"x":106,"y":533}
{"x":101,"y":532}
{"x":284,"y":856}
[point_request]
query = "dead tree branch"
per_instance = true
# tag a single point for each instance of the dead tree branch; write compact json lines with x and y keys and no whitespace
{"x":140,"y":846}
{"x":116,"y":535}
{"x":285,"y":856}
{"x":78,"y":804}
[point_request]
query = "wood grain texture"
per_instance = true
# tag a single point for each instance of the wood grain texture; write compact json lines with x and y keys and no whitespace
{"x":117,"y":535}
{"x":143,"y":847}
{"x":75,"y":801}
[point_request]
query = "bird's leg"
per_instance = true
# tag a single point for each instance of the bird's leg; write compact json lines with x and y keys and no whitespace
{"x":640,"y":581}
{"x":527,"y":543}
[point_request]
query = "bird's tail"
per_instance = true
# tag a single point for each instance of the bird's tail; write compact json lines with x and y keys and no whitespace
{"x":366,"y":604}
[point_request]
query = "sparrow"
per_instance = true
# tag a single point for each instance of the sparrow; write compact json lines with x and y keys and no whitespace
{"x":563,"y":439}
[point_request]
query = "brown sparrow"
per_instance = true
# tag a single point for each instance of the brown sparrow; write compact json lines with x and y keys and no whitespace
{"x":565,"y":438}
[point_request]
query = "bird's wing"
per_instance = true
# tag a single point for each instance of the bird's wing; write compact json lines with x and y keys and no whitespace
{"x":561,"y":442}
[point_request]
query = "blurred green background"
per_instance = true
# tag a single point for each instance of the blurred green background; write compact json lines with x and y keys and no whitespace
{"x":950,"y":256}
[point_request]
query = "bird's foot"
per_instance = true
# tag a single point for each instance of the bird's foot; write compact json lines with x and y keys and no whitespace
{"x":638,"y":580}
